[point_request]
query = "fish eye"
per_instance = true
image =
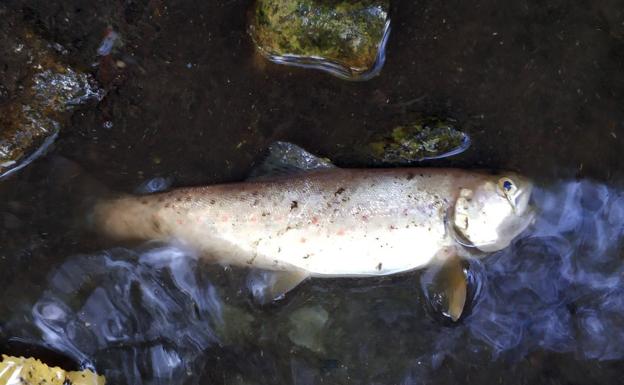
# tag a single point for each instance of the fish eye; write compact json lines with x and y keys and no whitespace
{"x":507,"y":186}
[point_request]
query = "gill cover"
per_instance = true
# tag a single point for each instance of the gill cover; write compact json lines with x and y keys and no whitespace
{"x":492,"y":214}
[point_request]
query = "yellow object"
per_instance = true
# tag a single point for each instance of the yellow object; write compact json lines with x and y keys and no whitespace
{"x":30,"y":371}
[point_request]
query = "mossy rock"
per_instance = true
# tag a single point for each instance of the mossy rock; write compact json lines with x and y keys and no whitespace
{"x":425,"y":139}
{"x":346,"y":38}
{"x":38,"y":91}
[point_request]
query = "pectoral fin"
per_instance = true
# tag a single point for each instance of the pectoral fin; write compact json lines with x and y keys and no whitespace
{"x":267,"y":286}
{"x":446,"y":285}
{"x":456,"y":287}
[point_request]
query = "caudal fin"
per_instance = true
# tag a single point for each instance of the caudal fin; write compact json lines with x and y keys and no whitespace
{"x":80,"y":192}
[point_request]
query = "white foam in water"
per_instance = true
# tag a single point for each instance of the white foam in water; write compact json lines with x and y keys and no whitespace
{"x":560,"y":286}
{"x":139,"y":317}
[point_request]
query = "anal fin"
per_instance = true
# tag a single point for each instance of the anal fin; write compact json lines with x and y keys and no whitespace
{"x":267,"y":286}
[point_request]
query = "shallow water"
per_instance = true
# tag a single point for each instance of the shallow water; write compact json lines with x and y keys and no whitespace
{"x":538,"y":86}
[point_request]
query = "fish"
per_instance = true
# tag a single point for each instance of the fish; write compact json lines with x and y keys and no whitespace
{"x":300,"y":216}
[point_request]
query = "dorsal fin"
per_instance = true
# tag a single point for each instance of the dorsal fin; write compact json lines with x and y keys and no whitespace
{"x":287,"y":159}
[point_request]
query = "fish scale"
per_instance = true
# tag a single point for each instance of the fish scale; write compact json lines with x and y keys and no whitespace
{"x":334,"y":222}
{"x":314,"y":219}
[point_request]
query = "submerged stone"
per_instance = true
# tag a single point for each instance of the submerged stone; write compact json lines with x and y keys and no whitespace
{"x":429,"y":138}
{"x":38,"y":93}
{"x":306,"y":327}
{"x":344,"y":37}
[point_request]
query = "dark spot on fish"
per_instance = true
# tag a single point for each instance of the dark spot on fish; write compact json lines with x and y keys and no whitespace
{"x":410,"y":175}
{"x":254,"y":193}
{"x":156,"y":225}
{"x":143,"y":201}
{"x":161,"y":199}
{"x":294,"y":205}
{"x":212,"y":201}
{"x":178,"y":199}
{"x":339,"y":191}
{"x":256,"y":202}
{"x":265,"y":214}
{"x":167,"y":205}
{"x":379,"y":266}
{"x":189,"y":198}
{"x":306,"y":256}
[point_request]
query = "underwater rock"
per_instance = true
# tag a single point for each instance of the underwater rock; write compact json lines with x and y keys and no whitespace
{"x":346,"y":38}
{"x":306,"y":326}
{"x":37,"y":93}
{"x":425,"y":139}
{"x":26,"y":371}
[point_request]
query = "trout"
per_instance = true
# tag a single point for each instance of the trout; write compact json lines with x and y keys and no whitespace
{"x":326,"y":221}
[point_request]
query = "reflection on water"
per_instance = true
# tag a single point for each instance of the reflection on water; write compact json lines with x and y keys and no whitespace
{"x":560,"y":287}
{"x":138,"y":317}
{"x":149,"y":316}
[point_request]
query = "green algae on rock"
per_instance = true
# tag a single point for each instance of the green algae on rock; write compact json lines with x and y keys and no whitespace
{"x":346,"y":38}
{"x":429,"y":138}
{"x":40,"y":90}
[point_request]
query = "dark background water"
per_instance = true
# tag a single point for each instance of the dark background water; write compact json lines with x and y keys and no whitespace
{"x":538,"y":85}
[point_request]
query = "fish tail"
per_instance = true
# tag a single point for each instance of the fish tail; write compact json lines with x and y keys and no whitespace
{"x":78,"y":189}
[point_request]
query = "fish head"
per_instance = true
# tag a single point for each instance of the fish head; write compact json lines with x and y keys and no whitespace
{"x":493,"y":212}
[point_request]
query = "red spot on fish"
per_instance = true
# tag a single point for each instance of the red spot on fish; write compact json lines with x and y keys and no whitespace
{"x":253,"y":218}
{"x":225,"y":218}
{"x":180,"y":221}
{"x":341,"y":232}
{"x":315,"y":220}
{"x":303,"y":240}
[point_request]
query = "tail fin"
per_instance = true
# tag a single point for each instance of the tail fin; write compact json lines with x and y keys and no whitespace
{"x":79,"y":190}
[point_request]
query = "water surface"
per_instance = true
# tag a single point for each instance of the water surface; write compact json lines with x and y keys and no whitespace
{"x":538,"y":86}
